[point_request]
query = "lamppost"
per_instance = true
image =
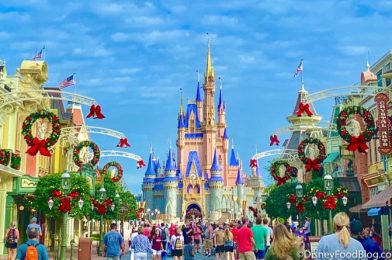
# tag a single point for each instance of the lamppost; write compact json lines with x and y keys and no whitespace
{"x":66,"y":186}
{"x":118,"y":199}
{"x":299,"y":192}
{"x":102,"y":197}
{"x":328,"y":186}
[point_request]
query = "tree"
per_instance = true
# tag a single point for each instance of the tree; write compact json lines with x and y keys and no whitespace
{"x":52,"y":182}
{"x":276,"y":201}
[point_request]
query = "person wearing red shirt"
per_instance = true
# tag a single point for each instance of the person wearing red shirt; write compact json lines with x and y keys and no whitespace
{"x":234,"y":231}
{"x":245,"y":242}
{"x":172,"y":230}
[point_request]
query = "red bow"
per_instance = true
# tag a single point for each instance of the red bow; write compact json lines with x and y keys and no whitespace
{"x":330,"y":203}
{"x":300,"y":207}
{"x":74,"y":194}
{"x":312,"y":164}
{"x":65,"y":205}
{"x":304,"y":108}
{"x":56,"y":193}
{"x":320,"y":195}
{"x":292,"y":198}
{"x":123,"y":143}
{"x":253,"y":163}
{"x":95,"y":112}
{"x":38,"y":145}
{"x":358,"y":143}
{"x":280,"y":180}
{"x":140,"y":164}
{"x":274,"y":140}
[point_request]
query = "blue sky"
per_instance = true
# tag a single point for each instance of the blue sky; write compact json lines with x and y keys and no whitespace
{"x":134,"y":56}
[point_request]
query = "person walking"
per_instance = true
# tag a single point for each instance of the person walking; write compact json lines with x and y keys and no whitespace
{"x":219,"y":242}
{"x":35,"y":225}
{"x":260,"y":234}
{"x":340,"y":244}
{"x":113,"y":243}
{"x":157,"y":245}
{"x":285,"y":245}
{"x":229,"y":244}
{"x":269,"y":234}
{"x":197,"y":237}
{"x":141,"y":245}
{"x":11,"y":239}
{"x":177,"y":242}
{"x":32,"y":249}
{"x":246,"y":242}
{"x":208,"y":234}
{"x":189,"y":252}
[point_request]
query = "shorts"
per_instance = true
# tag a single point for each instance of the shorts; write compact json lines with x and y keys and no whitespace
{"x":229,"y":249}
{"x":11,"y":245}
{"x":176,"y":252}
{"x":207,"y":243}
{"x":250,"y":255}
{"x":220,"y":249}
{"x":156,"y":252}
{"x":197,"y":241}
{"x":260,"y":254}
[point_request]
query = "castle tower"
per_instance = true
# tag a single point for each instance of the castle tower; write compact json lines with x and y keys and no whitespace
{"x":221,"y":112}
{"x":240,"y":189}
{"x":216,"y":189}
{"x":199,"y":101}
{"x":170,"y":186}
{"x":148,"y":183}
{"x":181,"y":128}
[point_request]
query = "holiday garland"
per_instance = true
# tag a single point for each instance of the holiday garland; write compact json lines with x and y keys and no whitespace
{"x":5,"y":156}
{"x":119,"y":170}
{"x":35,"y":144}
{"x":356,"y":142}
{"x":311,"y":164}
{"x":78,"y":148}
{"x":275,"y":169}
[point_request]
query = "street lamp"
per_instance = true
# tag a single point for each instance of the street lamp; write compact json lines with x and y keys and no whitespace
{"x":328,"y":186}
{"x":66,"y":186}
{"x":80,"y":203}
{"x":102,"y":197}
{"x":112,"y":207}
{"x":299,"y":191}
{"x":50,"y":203}
{"x":288,"y":204}
{"x":344,"y":200}
{"x":314,"y":200}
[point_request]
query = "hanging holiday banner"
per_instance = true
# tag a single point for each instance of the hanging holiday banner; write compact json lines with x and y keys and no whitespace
{"x":383,"y":124}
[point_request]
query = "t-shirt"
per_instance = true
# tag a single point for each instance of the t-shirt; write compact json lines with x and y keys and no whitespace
{"x":208,"y":232}
{"x":329,"y":246}
{"x":174,"y":240}
{"x":157,"y":243}
{"x":197,"y":232}
{"x":41,"y":250}
{"x":172,"y":230}
{"x":244,"y":237}
{"x":113,"y":242}
{"x":234,"y":231}
{"x":269,"y":235}
{"x":187,"y":232}
{"x":33,"y":225}
{"x":260,"y":235}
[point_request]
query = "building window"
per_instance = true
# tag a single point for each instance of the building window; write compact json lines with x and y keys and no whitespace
{"x":379,"y":78}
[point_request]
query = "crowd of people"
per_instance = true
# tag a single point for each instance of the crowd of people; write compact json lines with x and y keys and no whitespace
{"x":244,"y":240}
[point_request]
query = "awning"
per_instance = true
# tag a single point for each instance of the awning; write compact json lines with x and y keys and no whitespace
{"x":356,"y":209}
{"x":380,"y":200}
{"x":373,"y":212}
{"x":331,"y":157}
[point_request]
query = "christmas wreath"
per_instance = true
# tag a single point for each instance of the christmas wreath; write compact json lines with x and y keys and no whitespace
{"x":356,"y":142}
{"x":35,"y":144}
{"x":5,"y":156}
{"x":311,"y":164}
{"x":78,"y":148}
{"x":119,"y":170}
{"x":275,"y":172}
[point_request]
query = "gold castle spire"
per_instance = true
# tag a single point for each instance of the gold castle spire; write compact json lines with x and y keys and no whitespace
{"x":181,"y":104}
{"x":209,"y":74}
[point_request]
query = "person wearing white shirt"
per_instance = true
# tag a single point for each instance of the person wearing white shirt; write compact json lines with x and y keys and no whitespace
{"x":269,"y":234}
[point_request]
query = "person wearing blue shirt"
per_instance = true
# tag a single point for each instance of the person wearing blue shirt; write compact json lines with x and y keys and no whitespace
{"x":32,"y":241}
{"x":340,"y":245}
{"x":34,"y":224}
{"x":113,"y":243}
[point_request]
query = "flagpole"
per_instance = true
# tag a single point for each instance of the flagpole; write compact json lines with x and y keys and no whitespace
{"x":302,"y":77}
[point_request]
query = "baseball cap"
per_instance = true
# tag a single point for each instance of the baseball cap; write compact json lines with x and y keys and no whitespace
{"x":34,"y":219}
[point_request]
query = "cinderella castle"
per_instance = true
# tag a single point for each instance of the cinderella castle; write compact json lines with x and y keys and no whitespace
{"x":203,"y":181}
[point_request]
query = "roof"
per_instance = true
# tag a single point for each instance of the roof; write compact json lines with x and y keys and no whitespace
{"x":198,"y":95}
{"x":181,"y":121}
{"x":192,"y":108}
{"x":331,"y":157}
{"x":367,"y":76}
{"x":301,"y":95}
{"x":225,"y":136}
{"x":193,"y":158}
{"x":239,"y":179}
{"x":233,"y":158}
{"x":193,"y":135}
{"x":209,"y":73}
{"x":150,"y":166}
{"x":170,"y":166}
{"x":382,"y":199}
{"x":148,"y":180}
{"x":215,"y":164}
{"x":221,"y":103}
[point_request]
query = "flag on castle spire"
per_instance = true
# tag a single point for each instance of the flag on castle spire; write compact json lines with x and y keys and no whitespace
{"x":38,"y":55}
{"x":299,"y":69}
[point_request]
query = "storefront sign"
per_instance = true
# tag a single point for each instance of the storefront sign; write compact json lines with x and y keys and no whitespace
{"x":383,"y":123}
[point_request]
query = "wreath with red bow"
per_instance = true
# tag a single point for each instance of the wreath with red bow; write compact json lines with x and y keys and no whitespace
{"x":118,"y":167}
{"x":101,"y":207}
{"x":65,"y":201}
{"x":275,"y":169}
{"x":356,"y":142}
{"x":35,"y":144}
{"x":311,"y":164}
{"x":5,"y":156}
{"x":78,"y":148}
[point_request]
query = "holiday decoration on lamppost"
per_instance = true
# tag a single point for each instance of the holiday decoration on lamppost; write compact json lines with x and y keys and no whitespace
{"x":330,"y":203}
{"x":299,"y":191}
{"x":101,"y":207}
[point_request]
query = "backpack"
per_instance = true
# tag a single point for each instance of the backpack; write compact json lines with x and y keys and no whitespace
{"x":163,"y":234}
{"x":178,"y":245}
{"x":32,"y":252}
{"x":11,"y":236}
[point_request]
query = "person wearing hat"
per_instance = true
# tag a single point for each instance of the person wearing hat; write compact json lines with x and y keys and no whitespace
{"x":34,"y":224}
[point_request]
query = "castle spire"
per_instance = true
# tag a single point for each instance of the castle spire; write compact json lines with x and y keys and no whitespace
{"x":215,"y":164}
{"x":150,"y":166}
{"x":221,"y":104}
{"x":239,"y":180}
{"x":198,"y":95}
{"x":209,"y":73}
{"x":170,"y":166}
{"x":181,"y":104}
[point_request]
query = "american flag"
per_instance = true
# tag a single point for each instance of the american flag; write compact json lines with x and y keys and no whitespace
{"x":68,"y":82}
{"x":38,"y":55}
{"x":299,"y":68}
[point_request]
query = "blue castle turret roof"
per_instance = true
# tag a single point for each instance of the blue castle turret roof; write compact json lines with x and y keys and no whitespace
{"x":215,"y":164}
{"x":233,"y":158}
{"x":221,"y":103}
{"x":225,"y":136}
{"x":170,"y":165}
{"x":150,"y":166}
{"x":239,"y":179}
{"x":181,"y":122}
{"x":198,"y":96}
